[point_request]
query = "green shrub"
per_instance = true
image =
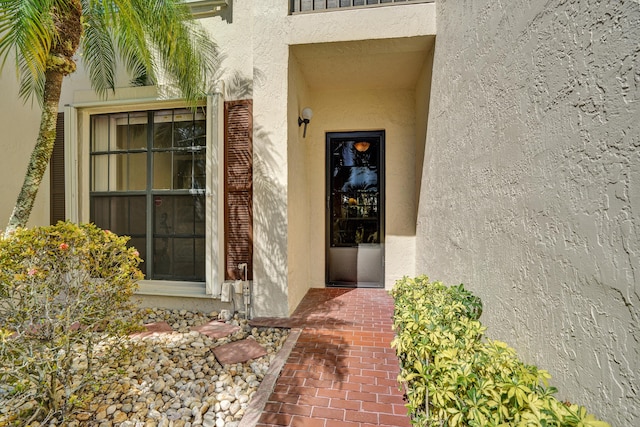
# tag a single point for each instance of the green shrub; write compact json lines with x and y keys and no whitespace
{"x":65,"y":297}
{"x":455,"y":377}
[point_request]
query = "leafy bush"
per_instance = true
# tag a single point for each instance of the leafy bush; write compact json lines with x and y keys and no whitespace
{"x":455,"y":377}
{"x":63,"y":290}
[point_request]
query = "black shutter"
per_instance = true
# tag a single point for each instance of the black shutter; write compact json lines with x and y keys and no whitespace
{"x":56,"y":174}
{"x":238,"y":194}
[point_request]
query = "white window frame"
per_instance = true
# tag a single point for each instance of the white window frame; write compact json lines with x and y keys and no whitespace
{"x":77,"y":150}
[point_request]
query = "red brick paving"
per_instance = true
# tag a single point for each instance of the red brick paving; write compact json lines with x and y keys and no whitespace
{"x":342,"y":370}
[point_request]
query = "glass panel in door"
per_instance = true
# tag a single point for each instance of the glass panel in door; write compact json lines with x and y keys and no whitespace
{"x":355,"y":189}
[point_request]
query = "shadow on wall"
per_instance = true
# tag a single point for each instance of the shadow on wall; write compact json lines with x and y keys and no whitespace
{"x":269,"y":211}
{"x":238,"y":86}
{"x":270,"y":227}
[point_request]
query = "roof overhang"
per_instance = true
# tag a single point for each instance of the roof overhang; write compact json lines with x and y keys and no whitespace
{"x":204,"y":8}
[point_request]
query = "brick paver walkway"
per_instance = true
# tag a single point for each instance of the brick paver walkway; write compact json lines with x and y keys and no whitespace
{"x":342,"y":370}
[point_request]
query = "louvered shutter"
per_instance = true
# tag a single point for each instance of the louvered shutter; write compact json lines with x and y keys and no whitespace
{"x":238,"y":199}
{"x":56,"y":174}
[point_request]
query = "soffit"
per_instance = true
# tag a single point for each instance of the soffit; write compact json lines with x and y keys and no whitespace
{"x":366,"y":64}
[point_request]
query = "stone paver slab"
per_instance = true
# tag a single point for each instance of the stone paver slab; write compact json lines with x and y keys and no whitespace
{"x":154,"y":328}
{"x":239,"y":351}
{"x":215,"y":329}
{"x":274,"y":322}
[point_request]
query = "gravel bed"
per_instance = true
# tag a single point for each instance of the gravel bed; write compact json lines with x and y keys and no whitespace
{"x":174,"y":380}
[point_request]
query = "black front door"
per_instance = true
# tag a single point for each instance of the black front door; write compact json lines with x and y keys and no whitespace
{"x":355,"y":203}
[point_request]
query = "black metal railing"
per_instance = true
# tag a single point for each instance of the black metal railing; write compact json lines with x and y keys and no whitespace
{"x":298,"y":6}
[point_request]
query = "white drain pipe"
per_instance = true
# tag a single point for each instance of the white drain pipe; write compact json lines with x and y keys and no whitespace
{"x":246,"y":289}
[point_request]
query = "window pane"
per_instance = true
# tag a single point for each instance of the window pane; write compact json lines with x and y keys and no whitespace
{"x":138,"y":137}
{"x":123,"y":215}
{"x":100,"y":170}
{"x":179,"y":223}
{"x":119,"y":221}
{"x":163,"y":128}
{"x":179,"y":163}
{"x":115,"y":212}
{"x":162,"y":258}
{"x":122,"y":135}
{"x":185,"y":215}
{"x":183,"y":165}
{"x":131,"y":131}
{"x":162,"y":135}
{"x":163,"y":216}
{"x":183,"y":134}
{"x":162,"y":170}
{"x":199,"y":171}
{"x":190,"y":211}
{"x":118,"y":169}
{"x":100,"y":133}
{"x":100,"y":211}
{"x":183,"y":258}
{"x":199,"y":214}
{"x":199,"y":260}
{"x":138,"y":219}
{"x":140,"y":245}
{"x":199,"y":132}
{"x":137,"y":171}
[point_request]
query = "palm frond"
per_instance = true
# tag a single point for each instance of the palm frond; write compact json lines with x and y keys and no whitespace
{"x":30,"y":86}
{"x":98,"y":49}
{"x":27,"y":32}
{"x":180,"y":49}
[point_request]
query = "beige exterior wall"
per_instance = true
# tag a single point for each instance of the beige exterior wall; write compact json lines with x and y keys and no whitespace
{"x":288,"y":172}
{"x":531,"y":186}
{"x":289,"y":188}
{"x":423,"y":96}
{"x":19,"y":122}
{"x":355,"y":86}
{"x":528,"y":184}
{"x":391,"y":110}
{"x":300,"y":214}
{"x":270,"y":107}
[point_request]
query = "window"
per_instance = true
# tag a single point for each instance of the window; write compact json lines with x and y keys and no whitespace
{"x":148,"y":179}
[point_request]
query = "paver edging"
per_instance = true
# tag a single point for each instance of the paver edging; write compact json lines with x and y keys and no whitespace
{"x":256,"y":406}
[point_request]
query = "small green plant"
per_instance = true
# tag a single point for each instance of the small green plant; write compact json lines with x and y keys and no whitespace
{"x":65,"y":298}
{"x":454,"y":377}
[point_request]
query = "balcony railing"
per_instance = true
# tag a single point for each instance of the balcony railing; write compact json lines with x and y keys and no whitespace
{"x":301,"y":6}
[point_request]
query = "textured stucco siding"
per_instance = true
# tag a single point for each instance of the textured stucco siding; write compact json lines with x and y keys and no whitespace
{"x":531,"y":185}
{"x":19,"y":122}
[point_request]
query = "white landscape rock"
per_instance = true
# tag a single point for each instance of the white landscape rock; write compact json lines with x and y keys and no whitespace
{"x":174,"y":378}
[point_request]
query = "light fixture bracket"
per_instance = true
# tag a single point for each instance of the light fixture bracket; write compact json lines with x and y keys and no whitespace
{"x":305,"y":118}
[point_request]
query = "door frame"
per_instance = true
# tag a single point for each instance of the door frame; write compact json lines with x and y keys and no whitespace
{"x":329,"y":137}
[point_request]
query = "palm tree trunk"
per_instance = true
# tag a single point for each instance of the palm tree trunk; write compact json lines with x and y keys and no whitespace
{"x":40,"y":155}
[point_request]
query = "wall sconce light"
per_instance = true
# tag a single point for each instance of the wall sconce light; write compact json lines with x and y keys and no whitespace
{"x":306,"y":114}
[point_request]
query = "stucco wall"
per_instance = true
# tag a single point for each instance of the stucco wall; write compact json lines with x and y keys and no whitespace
{"x":257,"y":67}
{"x":423,"y":95}
{"x":19,"y":122}
{"x":299,"y":259}
{"x":531,"y":186}
{"x":270,"y":56}
{"x":392,"y":110}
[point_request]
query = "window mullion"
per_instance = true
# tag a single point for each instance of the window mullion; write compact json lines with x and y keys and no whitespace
{"x":149,"y":194}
